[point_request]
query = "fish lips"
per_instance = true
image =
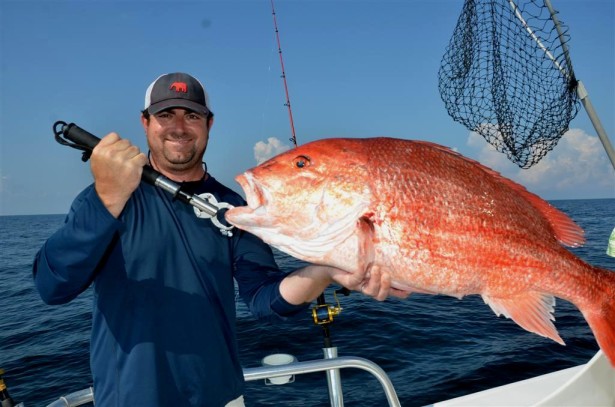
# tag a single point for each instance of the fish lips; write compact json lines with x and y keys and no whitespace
{"x":255,"y":194}
{"x":256,"y":197}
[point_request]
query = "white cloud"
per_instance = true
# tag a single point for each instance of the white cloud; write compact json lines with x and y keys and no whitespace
{"x":577,"y":166}
{"x":265,"y":150}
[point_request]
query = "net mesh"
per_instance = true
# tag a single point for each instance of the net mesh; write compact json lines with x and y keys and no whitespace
{"x":505,"y":75}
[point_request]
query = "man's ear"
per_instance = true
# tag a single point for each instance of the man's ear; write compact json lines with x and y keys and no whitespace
{"x":144,"y":122}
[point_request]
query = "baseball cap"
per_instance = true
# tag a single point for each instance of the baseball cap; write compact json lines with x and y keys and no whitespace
{"x":176,"y":90}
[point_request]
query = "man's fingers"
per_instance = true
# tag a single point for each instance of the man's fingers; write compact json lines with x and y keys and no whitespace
{"x":110,"y":138}
{"x":371,"y":285}
{"x":385,"y":287}
{"x":376,"y":283}
{"x":347,"y":279}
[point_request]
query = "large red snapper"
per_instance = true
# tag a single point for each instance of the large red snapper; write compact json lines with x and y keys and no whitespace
{"x":435,"y":221}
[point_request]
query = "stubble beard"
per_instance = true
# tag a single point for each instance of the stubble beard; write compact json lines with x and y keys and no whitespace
{"x":181,"y":161}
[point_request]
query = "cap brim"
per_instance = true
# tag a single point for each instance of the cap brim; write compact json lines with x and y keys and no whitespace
{"x":183,"y":103}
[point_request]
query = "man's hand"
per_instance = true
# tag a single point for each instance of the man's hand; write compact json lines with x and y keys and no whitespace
{"x":117,"y":166}
{"x":306,"y":284}
{"x":376,"y":284}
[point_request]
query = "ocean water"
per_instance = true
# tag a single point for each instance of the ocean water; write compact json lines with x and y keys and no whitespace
{"x":432,"y":347}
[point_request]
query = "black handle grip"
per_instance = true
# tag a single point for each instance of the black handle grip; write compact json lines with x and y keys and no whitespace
{"x":79,"y":136}
{"x":76,"y":137}
{"x":86,"y":139}
{"x":150,"y":175}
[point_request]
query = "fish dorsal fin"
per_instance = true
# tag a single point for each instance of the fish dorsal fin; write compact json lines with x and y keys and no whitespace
{"x":531,"y":310}
{"x":564,"y":229}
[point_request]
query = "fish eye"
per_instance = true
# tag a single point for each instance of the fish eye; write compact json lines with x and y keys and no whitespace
{"x":301,"y":161}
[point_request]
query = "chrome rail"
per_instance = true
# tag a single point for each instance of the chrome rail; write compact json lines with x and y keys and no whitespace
{"x":74,"y":399}
{"x":81,"y":397}
{"x":312,"y":366}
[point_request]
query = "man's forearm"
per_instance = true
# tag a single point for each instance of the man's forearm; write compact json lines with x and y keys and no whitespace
{"x":305,"y":284}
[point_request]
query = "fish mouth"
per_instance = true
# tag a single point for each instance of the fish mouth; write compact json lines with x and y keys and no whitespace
{"x":255,"y":194}
{"x":254,"y":215}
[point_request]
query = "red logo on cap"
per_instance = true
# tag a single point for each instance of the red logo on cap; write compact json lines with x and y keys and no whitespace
{"x":179,"y":87}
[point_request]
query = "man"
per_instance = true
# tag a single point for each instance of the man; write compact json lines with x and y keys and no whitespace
{"x":163,"y":331}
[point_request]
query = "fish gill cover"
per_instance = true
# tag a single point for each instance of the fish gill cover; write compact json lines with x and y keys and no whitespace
{"x":506,"y":75}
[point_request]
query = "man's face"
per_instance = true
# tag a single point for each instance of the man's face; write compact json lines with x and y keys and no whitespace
{"x":177,"y":139}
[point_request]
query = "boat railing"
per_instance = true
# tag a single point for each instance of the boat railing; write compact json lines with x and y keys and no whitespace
{"x":76,"y":398}
{"x":85,"y":396}
{"x":312,"y":366}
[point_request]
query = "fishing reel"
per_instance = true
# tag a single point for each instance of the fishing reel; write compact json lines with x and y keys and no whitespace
{"x":323,"y":313}
{"x":5,"y":399}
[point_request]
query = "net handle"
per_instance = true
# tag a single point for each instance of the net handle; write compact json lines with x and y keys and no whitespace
{"x":579,"y":87}
{"x":540,"y":44}
{"x":583,"y":95}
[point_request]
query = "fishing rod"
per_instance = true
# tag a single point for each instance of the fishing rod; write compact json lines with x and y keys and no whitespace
{"x":322,"y":313}
{"x":287,"y":104}
{"x":205,"y":205}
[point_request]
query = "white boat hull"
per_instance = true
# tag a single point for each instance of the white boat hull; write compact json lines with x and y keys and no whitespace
{"x":588,"y":385}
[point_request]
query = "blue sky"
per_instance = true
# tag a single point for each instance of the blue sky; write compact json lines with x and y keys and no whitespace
{"x":354,"y":69}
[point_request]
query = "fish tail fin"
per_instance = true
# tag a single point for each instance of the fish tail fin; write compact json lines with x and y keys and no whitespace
{"x":600,"y":314}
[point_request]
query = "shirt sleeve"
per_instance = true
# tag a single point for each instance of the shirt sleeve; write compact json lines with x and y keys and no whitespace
{"x":258,"y":278}
{"x":67,"y":262}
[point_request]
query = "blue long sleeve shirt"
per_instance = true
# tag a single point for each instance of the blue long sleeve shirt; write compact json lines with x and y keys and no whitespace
{"x":163,"y":320}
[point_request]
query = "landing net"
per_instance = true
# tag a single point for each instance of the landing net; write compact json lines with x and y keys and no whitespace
{"x":506,"y":75}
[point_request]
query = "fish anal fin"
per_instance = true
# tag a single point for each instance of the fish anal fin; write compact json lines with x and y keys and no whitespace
{"x":531,"y":310}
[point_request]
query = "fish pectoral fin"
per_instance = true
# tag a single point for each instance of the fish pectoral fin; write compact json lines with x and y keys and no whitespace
{"x":355,"y":254}
{"x":367,"y":252}
{"x":531,"y":310}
